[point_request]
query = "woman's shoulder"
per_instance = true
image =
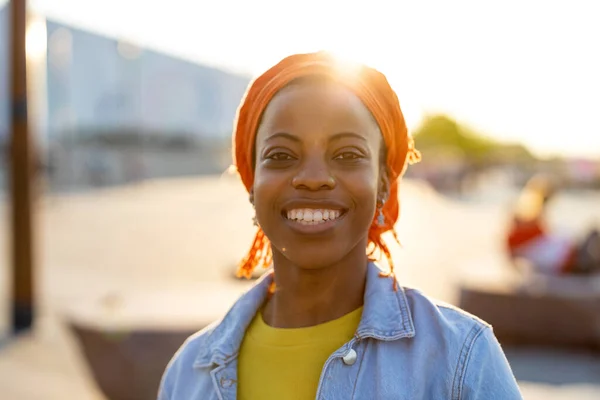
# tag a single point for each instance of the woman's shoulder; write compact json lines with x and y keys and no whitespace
{"x":440,"y":318}
{"x":180,"y":370}
{"x":466,"y":342}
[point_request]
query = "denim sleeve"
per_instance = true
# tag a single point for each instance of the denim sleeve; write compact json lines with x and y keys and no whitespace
{"x":165,"y":390}
{"x":163,"y":394}
{"x":486,"y":372}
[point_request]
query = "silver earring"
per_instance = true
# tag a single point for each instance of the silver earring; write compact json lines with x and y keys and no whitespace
{"x":251,"y":199}
{"x":381,"y":218}
{"x":254,"y":219}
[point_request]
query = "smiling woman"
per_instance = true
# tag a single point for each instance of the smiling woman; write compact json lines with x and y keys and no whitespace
{"x":317,"y":152}
{"x":321,"y":154}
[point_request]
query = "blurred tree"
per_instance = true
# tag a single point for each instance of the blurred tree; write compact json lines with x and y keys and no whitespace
{"x":438,"y":132}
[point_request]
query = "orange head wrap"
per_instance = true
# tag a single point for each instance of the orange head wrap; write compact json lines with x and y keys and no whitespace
{"x":372,"y":87}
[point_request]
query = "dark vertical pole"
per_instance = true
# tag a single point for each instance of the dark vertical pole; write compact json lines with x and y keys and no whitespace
{"x":21,"y":176}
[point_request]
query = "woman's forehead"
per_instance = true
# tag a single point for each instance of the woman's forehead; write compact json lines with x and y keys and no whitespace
{"x":315,"y":104}
{"x":298,"y":93}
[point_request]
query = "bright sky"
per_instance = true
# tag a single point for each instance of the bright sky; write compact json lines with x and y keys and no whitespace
{"x":519,"y":70}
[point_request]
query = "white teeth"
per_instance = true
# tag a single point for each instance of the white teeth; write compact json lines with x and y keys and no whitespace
{"x":308,"y":216}
{"x":317,"y":216}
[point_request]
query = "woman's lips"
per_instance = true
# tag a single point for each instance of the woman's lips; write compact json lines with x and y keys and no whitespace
{"x":313,"y":215}
{"x":311,"y":221}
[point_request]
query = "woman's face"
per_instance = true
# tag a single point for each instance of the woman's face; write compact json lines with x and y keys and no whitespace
{"x":318,"y":174}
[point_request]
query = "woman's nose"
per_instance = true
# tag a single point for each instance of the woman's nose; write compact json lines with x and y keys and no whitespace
{"x":314,"y":175}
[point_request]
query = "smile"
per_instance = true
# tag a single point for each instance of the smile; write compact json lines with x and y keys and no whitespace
{"x":313,"y":220}
{"x":309,"y":216}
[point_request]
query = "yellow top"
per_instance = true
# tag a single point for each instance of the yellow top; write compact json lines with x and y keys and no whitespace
{"x":276,"y":363}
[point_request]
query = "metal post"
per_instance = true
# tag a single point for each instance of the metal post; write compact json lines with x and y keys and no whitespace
{"x":21,"y":171}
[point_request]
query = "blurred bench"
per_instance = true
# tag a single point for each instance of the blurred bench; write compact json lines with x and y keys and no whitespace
{"x":533,"y":309}
{"x":128,"y":340}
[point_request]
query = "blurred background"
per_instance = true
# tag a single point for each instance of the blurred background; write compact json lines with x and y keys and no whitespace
{"x":137,"y":226}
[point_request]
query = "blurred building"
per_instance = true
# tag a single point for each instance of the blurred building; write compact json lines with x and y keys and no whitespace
{"x":97,"y":82}
{"x":96,"y":100}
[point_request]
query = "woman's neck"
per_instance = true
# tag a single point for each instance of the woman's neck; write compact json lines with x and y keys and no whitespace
{"x":307,"y":297}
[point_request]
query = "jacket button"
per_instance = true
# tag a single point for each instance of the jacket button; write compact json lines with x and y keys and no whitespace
{"x":227,"y":383}
{"x":350,"y":357}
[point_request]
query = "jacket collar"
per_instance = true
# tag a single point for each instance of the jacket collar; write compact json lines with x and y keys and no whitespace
{"x":386,"y":316}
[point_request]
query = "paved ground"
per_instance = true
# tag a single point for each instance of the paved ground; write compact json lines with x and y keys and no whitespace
{"x":168,"y":237}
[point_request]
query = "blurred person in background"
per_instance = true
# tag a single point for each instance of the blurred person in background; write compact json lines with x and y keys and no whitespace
{"x":529,"y":238}
{"x":321,"y":148}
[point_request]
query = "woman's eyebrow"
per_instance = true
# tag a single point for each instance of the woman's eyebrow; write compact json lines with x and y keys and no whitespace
{"x":283,"y":135}
{"x":337,"y":136}
{"x":343,"y":135}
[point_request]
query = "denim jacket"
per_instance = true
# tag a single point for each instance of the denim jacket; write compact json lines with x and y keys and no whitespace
{"x":406,"y":346}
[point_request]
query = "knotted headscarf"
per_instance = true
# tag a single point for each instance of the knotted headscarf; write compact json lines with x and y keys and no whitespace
{"x":373,"y":89}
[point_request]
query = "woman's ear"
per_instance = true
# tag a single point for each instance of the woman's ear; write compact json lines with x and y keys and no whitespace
{"x":384,"y":184}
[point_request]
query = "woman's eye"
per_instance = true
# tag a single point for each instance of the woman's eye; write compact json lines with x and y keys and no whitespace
{"x":280,"y":157}
{"x":348,"y":156}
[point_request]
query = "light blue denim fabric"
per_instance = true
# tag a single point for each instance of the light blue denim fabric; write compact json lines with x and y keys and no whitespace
{"x":407,"y":345}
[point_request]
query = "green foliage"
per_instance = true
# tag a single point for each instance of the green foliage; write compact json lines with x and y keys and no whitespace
{"x":439,"y":132}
